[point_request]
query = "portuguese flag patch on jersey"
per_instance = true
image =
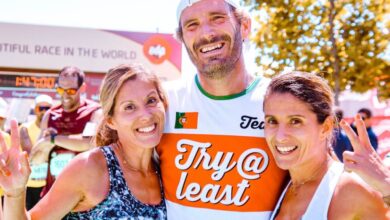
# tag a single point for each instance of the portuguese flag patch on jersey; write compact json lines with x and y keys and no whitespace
{"x":186,"y":120}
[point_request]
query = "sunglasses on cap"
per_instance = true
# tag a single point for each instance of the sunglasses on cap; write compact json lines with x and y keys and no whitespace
{"x":43,"y":108}
{"x":71,"y":91}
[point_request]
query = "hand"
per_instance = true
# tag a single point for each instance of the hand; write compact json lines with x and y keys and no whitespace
{"x":48,"y":131}
{"x":25,"y":140}
{"x":40,"y":152}
{"x":364,"y":161}
{"x":14,"y":166}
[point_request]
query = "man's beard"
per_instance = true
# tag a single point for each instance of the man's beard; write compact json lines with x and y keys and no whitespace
{"x":71,"y":106}
{"x":217,"y":68}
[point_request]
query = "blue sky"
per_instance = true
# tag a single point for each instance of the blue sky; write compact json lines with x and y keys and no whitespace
{"x":128,"y":15}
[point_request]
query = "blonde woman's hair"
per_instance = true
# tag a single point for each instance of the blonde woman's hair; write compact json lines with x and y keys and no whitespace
{"x":109,"y":89}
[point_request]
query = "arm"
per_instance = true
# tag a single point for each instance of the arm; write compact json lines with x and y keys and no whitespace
{"x":40,"y":151}
{"x":14,"y":173}
{"x":66,"y":193}
{"x":76,"y":142}
{"x":364,"y":161}
{"x":82,"y":185}
{"x":80,"y":142}
{"x":75,"y":185}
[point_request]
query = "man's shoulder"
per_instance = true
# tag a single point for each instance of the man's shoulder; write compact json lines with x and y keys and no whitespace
{"x":55,"y":110}
{"x":91,"y":103}
{"x":89,"y":106}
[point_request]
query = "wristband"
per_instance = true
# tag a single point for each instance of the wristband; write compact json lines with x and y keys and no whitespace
{"x":53,"y":138}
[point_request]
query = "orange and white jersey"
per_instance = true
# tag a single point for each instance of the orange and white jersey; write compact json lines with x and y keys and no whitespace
{"x":215,"y":162}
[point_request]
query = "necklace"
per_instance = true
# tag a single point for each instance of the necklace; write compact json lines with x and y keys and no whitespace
{"x":127,"y":164}
{"x":295,"y":186}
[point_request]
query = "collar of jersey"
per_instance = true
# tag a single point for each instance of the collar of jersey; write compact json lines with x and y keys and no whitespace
{"x":227,"y":97}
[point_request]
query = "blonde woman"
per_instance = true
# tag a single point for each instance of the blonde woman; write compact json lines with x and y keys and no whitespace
{"x":117,"y":180}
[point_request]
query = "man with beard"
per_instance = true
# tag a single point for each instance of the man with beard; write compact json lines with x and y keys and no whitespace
{"x":29,"y":133}
{"x":67,"y":127}
{"x":215,"y":163}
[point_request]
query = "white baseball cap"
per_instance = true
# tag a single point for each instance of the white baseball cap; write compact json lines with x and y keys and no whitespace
{"x":188,"y":3}
{"x":43,"y":98}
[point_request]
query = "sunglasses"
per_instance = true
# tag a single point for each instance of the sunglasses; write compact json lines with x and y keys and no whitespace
{"x":71,"y":91}
{"x":43,"y":108}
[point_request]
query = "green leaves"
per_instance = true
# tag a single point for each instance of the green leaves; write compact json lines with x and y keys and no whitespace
{"x":298,"y":34}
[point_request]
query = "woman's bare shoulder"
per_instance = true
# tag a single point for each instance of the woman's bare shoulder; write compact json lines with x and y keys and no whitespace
{"x":355,"y":198}
{"x":352,"y":183}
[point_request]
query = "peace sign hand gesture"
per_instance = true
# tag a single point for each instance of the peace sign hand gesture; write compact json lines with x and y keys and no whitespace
{"x":364,"y":161}
{"x":14,"y":165}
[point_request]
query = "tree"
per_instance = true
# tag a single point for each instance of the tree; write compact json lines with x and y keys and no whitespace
{"x":344,"y":40}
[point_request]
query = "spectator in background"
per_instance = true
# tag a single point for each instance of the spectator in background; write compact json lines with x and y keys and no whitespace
{"x":3,"y":119}
{"x":29,"y":133}
{"x":67,"y":127}
{"x":366,"y":115}
{"x":42,"y":103}
{"x":341,"y":142}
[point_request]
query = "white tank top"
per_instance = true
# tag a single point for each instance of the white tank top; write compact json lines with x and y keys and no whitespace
{"x":319,"y":204}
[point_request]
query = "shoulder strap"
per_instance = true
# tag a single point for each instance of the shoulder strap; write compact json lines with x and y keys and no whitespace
{"x":114,"y":171}
{"x":277,"y":207}
{"x":319,"y":205}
